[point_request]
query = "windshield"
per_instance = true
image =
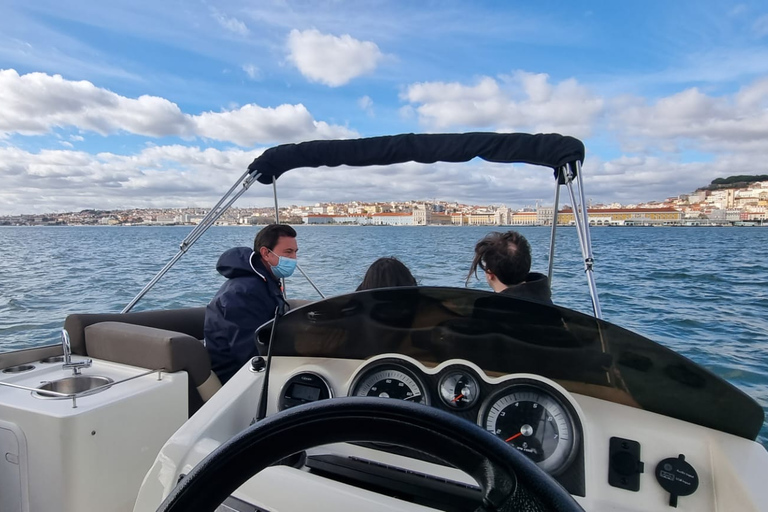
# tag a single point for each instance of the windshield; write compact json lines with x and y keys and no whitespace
{"x":504,"y":335}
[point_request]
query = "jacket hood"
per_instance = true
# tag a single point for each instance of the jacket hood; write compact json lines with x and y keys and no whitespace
{"x":236,"y":262}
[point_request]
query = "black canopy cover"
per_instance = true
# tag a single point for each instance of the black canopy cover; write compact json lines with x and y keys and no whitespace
{"x":549,"y":150}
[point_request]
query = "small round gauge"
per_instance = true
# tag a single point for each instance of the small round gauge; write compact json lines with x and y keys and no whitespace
{"x":535,"y":422}
{"x":390,"y":382}
{"x":303,"y":388}
{"x":459,"y":390}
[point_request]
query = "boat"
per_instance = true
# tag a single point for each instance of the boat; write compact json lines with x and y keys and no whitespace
{"x":414,"y":398}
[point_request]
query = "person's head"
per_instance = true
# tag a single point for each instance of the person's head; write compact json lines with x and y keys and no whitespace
{"x":387,"y":273}
{"x":276,"y":244}
{"x":504,"y":257}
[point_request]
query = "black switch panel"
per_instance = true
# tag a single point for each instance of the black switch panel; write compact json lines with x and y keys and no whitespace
{"x":624,"y":465}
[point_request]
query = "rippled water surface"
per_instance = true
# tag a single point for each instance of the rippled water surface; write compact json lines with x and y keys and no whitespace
{"x":700,"y":291}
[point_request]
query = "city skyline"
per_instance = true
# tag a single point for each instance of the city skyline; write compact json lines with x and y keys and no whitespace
{"x":740,"y":203}
{"x":433,"y":200}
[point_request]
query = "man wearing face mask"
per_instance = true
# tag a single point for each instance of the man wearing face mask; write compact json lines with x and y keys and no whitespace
{"x":249,"y":298}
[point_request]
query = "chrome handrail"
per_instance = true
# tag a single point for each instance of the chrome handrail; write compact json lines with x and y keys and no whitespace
{"x":79,"y":394}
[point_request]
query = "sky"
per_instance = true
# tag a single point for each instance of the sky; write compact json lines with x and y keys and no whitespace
{"x":139,"y":104}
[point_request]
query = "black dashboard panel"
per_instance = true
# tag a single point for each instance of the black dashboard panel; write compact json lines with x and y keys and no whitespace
{"x":503,"y":335}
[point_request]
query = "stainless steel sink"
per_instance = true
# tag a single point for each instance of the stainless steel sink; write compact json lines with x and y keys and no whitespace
{"x":79,"y":384}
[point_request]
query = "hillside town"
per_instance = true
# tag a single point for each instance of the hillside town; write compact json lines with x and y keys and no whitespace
{"x":737,"y":206}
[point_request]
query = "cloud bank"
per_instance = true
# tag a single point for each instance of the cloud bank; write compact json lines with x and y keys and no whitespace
{"x":36,"y":103}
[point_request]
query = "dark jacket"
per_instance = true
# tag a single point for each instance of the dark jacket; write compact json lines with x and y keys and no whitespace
{"x":535,"y":287}
{"x":244,"y":302}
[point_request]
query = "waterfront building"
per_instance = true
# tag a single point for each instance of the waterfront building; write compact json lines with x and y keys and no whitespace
{"x":625,"y":216}
{"x":421,"y":215}
{"x":524,"y":219}
{"x":392,"y":219}
{"x":544,"y":215}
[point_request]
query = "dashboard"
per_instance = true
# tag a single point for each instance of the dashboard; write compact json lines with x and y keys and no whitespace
{"x":534,"y":415}
{"x":606,"y":412}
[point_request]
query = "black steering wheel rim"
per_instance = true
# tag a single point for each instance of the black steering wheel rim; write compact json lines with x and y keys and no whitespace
{"x":508,"y":479}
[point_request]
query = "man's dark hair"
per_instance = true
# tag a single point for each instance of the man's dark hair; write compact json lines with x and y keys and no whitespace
{"x":269,"y":235}
{"x":507,"y":255}
{"x":387,"y":273}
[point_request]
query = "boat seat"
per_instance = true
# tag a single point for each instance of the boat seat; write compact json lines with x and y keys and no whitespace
{"x":182,"y":321}
{"x":186,"y":320}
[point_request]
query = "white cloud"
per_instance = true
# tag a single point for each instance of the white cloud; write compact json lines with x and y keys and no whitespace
{"x":233,"y":25}
{"x":520,"y":102}
{"x":693,"y":118}
{"x":251,"y":124}
{"x":36,"y":103}
{"x":331,"y":60}
{"x":253,"y":72}
{"x":157,"y":176}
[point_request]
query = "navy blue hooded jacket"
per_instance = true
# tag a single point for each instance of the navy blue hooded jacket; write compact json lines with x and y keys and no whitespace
{"x":246,"y":301}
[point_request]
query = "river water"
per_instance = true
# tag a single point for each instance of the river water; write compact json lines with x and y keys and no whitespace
{"x":701,"y":291}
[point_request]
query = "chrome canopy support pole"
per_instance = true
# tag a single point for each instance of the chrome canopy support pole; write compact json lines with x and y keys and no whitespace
{"x":309,"y":280}
{"x":554,"y":228}
{"x":277,"y":221}
{"x":581,"y":219}
{"x":585,"y":213}
{"x":274,"y":193}
{"x":208,"y":221}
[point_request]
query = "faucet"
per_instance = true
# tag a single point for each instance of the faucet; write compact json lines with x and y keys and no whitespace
{"x":67,"y":347}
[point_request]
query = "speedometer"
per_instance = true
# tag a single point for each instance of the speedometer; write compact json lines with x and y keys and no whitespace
{"x":532,"y":420}
{"x":390,"y":381}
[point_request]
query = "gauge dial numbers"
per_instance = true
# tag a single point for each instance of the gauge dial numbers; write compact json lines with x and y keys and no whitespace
{"x":459,"y":389}
{"x":533,"y":421}
{"x":390,"y":382}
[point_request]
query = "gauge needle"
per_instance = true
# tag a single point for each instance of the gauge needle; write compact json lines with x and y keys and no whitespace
{"x":412,"y":397}
{"x":458,"y":397}
{"x":514,"y":436}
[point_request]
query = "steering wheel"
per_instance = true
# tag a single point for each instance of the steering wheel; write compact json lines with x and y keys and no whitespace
{"x":508,"y":480}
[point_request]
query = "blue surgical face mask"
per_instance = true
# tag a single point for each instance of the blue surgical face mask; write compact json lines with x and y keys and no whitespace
{"x":285,"y":266}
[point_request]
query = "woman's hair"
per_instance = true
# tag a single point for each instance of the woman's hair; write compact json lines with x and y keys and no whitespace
{"x":386,"y":273}
{"x":507,"y":255}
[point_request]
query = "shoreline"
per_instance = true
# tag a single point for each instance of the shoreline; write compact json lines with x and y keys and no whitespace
{"x":510,"y":226}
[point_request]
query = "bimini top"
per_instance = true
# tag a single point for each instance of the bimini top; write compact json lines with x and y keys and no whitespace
{"x":548,"y":150}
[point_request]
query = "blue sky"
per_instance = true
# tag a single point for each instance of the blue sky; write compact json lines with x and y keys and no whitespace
{"x":149,"y":104}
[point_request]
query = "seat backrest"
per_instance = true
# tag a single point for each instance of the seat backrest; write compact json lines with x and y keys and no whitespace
{"x":153,"y":348}
{"x":187,"y":320}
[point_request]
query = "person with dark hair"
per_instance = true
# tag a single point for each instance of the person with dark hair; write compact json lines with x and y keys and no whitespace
{"x":387,"y":273}
{"x":249,"y":298}
{"x":506,"y":260}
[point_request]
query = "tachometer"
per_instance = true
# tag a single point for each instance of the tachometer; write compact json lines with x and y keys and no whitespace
{"x":390,"y":381}
{"x":535,"y":422}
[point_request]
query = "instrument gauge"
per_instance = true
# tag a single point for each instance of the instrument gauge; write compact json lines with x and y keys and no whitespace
{"x":459,"y":389}
{"x":303,"y":388}
{"x":535,"y":422}
{"x":390,"y":381}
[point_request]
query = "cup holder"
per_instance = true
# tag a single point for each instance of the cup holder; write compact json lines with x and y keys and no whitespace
{"x":53,"y":359}
{"x":18,"y":369}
